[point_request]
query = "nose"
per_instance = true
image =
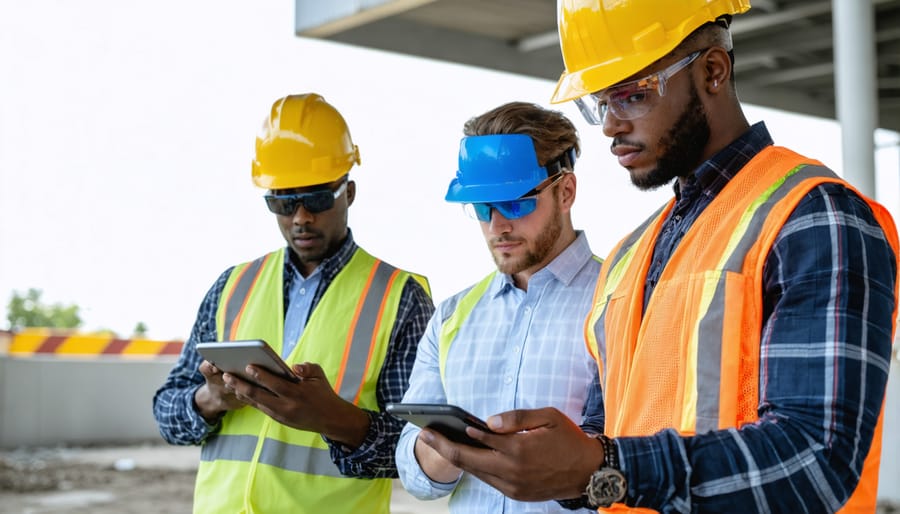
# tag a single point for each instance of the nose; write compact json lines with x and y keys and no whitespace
{"x":498,"y":223}
{"x":613,"y":126}
{"x":302,"y":216}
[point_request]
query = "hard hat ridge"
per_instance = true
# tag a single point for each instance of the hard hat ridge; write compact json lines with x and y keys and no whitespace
{"x":500,"y":167}
{"x":303,"y":142}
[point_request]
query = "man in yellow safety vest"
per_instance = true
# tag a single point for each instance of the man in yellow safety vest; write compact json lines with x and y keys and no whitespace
{"x":346,"y":321}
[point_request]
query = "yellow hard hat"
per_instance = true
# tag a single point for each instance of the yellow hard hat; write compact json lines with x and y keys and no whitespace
{"x":606,"y":42}
{"x":304,"y":142}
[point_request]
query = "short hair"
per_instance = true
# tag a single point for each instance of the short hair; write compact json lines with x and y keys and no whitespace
{"x":552,"y":133}
{"x":713,"y":33}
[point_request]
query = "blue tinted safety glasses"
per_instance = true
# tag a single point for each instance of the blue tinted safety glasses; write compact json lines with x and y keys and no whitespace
{"x":510,"y":209}
{"x":314,"y":201}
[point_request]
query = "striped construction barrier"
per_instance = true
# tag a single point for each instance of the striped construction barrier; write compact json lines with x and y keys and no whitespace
{"x":30,"y":342}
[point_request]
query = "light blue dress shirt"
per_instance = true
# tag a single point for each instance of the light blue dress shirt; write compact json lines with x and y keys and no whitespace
{"x":302,"y":292}
{"x":516,"y":350}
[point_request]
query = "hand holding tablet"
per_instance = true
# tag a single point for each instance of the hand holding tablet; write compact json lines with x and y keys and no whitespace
{"x":234,"y":356}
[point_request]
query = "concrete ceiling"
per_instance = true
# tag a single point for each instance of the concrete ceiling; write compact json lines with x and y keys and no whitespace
{"x":784,"y":48}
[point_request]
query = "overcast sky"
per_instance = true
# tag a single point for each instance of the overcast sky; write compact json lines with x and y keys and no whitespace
{"x":127,"y":129}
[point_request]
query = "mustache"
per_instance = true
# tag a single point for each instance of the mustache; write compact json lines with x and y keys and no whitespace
{"x":620,"y":141}
{"x":504,"y":239}
{"x":303,"y":229}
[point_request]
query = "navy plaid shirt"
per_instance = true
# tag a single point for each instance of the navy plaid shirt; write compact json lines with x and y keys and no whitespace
{"x":180,"y":423}
{"x":826,"y":343}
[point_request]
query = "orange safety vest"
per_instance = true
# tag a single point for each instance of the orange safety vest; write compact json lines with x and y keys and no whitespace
{"x":691,"y":361}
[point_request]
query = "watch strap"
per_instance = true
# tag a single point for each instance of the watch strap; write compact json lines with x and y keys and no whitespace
{"x":610,"y":453}
{"x":610,"y":459}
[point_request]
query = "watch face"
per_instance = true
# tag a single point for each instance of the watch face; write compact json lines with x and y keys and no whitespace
{"x":607,"y":486}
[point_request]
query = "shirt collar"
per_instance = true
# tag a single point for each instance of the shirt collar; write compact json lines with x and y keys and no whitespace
{"x":712,"y":175}
{"x":564,"y":268}
{"x":331,"y":265}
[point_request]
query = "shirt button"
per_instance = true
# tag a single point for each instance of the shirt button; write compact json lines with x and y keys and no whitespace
{"x":302,"y":290}
{"x":515,"y":349}
{"x":527,"y":309}
{"x":507,"y":380}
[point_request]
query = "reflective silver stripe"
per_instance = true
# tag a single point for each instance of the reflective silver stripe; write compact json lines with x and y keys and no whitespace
{"x":710,"y":327}
{"x":364,"y":331}
{"x":228,"y":447}
{"x":634,"y":236}
{"x":303,"y":459}
{"x":709,"y":361}
{"x":239,"y":294}
{"x":291,"y":457}
{"x":613,"y":263}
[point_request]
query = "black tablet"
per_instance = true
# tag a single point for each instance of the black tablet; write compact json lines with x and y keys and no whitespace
{"x":451,"y":421}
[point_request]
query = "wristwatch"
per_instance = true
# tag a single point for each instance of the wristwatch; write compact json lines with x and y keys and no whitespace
{"x":607,"y":485}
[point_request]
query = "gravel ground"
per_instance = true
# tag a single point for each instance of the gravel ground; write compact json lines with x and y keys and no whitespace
{"x":56,"y":481}
{"x":120,"y":480}
{"x":154,"y":478}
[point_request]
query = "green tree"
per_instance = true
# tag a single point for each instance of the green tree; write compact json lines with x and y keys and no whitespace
{"x":140,"y":330}
{"x":29,"y":311}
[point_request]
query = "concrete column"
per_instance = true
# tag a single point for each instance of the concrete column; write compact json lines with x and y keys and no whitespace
{"x":889,"y":478}
{"x":856,"y":89}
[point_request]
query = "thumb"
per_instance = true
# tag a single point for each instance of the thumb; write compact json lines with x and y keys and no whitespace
{"x":309,"y":370}
{"x":522,"y":419}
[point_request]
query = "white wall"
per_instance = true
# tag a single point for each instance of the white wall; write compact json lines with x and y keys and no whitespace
{"x":46,"y":401}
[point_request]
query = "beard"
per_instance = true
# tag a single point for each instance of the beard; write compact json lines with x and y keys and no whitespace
{"x":538,"y":250}
{"x":683,"y":146}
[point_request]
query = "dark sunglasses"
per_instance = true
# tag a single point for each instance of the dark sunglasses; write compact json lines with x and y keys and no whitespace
{"x":314,"y":201}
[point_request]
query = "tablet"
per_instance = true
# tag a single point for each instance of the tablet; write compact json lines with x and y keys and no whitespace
{"x":234,"y":356}
{"x":449,"y":420}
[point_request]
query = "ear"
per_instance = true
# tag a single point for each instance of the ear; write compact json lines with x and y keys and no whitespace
{"x":567,"y":189}
{"x":351,"y":192}
{"x":716,"y":69}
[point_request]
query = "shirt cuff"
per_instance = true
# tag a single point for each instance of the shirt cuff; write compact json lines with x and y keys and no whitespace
{"x":414,"y":480}
{"x":361,"y":461}
{"x":654,"y":474}
{"x":198,"y":424}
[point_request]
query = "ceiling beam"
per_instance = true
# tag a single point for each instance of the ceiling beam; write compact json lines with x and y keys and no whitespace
{"x":315,"y":18}
{"x":823,"y":70}
{"x":746,"y":24}
{"x":538,"y":41}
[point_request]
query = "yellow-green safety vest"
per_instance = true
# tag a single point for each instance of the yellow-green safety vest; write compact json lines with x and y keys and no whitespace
{"x":257,"y":465}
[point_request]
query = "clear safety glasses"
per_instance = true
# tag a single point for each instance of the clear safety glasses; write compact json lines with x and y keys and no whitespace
{"x":510,"y":209}
{"x":314,"y":201}
{"x":632,"y":99}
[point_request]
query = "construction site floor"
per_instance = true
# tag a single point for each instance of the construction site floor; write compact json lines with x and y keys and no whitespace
{"x":130,"y":479}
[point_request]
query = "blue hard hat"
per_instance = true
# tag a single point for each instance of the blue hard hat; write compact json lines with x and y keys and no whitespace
{"x":495,"y":168}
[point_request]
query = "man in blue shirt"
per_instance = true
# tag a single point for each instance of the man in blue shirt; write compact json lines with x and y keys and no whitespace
{"x":513,"y":340}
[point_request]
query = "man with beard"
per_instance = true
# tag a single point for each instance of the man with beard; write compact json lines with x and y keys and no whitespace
{"x":743,"y":332}
{"x":514,"y":338}
{"x":347,"y":322}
